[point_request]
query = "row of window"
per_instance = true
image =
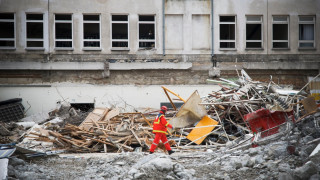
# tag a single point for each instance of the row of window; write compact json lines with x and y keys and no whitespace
{"x":120,"y":36}
{"x":254,"y":32}
{"x":63,"y":31}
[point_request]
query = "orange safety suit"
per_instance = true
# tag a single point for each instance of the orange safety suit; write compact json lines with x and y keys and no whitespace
{"x":160,"y":125}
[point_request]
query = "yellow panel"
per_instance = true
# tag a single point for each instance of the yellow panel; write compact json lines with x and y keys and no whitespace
{"x":316,"y":96}
{"x":199,"y":132}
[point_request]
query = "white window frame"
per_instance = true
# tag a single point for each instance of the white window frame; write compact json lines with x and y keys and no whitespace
{"x":147,"y":22}
{"x":14,"y":31}
{"x":91,"y":40}
{"x":63,"y":40}
{"x":314,"y":32}
{"x":35,"y":39}
{"x":120,"y":40}
{"x":281,"y":22}
{"x":255,"y":22}
{"x":235,"y":33}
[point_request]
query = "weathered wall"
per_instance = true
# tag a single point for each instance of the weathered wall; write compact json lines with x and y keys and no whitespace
{"x":266,"y":8}
{"x":126,"y":97}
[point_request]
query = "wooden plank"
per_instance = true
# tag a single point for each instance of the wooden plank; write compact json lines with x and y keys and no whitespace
{"x":135,"y":135}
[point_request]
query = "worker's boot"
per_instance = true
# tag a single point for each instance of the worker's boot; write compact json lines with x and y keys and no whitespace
{"x":170,"y":152}
{"x":150,"y":152}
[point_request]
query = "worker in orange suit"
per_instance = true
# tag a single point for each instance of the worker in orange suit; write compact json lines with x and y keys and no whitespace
{"x":160,"y":125}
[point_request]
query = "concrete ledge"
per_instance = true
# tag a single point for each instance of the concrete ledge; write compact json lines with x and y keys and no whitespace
{"x":90,"y":66}
{"x":270,"y":65}
{"x":146,"y":66}
{"x":52,"y":66}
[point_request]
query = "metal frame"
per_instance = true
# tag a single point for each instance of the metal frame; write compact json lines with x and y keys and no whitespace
{"x":155,"y":30}
{"x":14,"y":32}
{"x":255,"y":22}
{"x":287,"y":22}
{"x":63,"y":40}
{"x":34,"y":39}
{"x":91,"y":40}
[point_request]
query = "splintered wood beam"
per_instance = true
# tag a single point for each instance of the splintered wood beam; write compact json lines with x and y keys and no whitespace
{"x":135,"y":135}
{"x":146,"y":120}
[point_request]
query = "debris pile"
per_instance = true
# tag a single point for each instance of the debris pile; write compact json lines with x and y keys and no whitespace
{"x":243,"y":113}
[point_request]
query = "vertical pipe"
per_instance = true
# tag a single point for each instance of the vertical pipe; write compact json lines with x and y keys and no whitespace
{"x":212,"y":31}
{"x":163,"y":29}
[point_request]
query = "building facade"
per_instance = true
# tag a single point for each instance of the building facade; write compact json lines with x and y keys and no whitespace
{"x":157,"y":42}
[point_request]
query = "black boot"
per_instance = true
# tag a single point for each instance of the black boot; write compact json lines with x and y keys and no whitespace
{"x":170,"y":152}
{"x":150,"y":152}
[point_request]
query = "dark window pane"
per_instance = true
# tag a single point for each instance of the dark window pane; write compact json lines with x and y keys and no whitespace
{"x":119,"y":18}
{"x":253,"y":31}
{"x":146,"y":44}
{"x":34,"y":43}
{"x":306,"y":45}
{"x":91,"y":31}
{"x":91,"y":44}
{"x":306,"y":32}
{"x":227,"y":18}
{"x":6,"y":16}
{"x":146,"y":31}
{"x":119,"y":44}
{"x":6,"y":43}
{"x":227,"y":45}
{"x":280,"y":45}
{"x":227,"y":32}
{"x":63,"y":16}
{"x":6,"y":30}
{"x":63,"y":43}
{"x":280,"y":32}
{"x":63,"y":31}
{"x":34,"y":16}
{"x":120,"y":31}
{"x":146,"y":18}
{"x":91,"y":17}
{"x":253,"y":44}
{"x":34,"y":30}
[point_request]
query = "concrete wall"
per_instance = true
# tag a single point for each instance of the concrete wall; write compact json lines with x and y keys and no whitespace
{"x":126,"y":97}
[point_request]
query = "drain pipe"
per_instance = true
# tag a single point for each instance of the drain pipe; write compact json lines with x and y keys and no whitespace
{"x":212,"y":35}
{"x":163,"y":29}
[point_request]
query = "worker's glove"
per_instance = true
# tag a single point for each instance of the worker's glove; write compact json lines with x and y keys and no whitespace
{"x":172,"y":127}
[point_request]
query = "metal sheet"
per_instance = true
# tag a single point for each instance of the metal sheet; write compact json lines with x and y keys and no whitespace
{"x":190,"y":113}
{"x":203,"y":128}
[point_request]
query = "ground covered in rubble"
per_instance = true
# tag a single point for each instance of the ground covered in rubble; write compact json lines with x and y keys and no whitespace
{"x":285,"y":158}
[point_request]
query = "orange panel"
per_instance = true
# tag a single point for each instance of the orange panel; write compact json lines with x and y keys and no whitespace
{"x":198,"y":132}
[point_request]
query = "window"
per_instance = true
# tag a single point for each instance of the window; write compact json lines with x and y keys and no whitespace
{"x":227,"y":31}
{"x":63,"y":31}
{"x":34,"y":30}
{"x":120,"y":36}
{"x":306,"y":31}
{"x":7,"y":30}
{"x":254,"y":32}
{"x":91,"y":31}
{"x":146,"y":31}
{"x":280,"y":32}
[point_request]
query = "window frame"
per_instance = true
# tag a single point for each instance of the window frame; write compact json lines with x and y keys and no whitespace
{"x":287,"y":22}
{"x":91,"y":40}
{"x":120,"y":40}
{"x":34,"y":39}
{"x":155,"y":31}
{"x":235,"y":33}
{"x":313,"y":22}
{"x":14,"y":31}
{"x":63,"y":40}
{"x":254,"y":22}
